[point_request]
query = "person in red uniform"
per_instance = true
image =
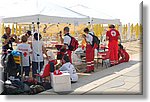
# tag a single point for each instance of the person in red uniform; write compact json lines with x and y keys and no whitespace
{"x":89,"y":51}
{"x":123,"y":56}
{"x":112,"y":36}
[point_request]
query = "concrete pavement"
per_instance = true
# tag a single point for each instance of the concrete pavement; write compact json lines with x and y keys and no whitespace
{"x":125,"y":78}
{"x":123,"y":83}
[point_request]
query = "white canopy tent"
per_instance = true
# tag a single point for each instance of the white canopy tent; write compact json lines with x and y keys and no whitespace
{"x":41,"y":11}
{"x":96,"y":16}
{"x":44,"y":19}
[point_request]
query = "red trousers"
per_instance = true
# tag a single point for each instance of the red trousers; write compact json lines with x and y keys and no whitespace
{"x":69,"y":54}
{"x":124,"y":56}
{"x":89,"y":58}
{"x":123,"y":60}
{"x":113,"y":48}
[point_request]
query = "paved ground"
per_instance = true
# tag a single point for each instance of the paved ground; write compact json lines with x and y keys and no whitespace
{"x":124,"y":78}
{"x":121,"y":79}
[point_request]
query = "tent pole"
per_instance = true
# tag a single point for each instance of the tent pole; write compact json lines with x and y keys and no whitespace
{"x":91,"y":23}
{"x":38,"y":27}
{"x":32,"y":29}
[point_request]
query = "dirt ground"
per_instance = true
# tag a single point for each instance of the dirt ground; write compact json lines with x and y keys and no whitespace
{"x":133,"y":47}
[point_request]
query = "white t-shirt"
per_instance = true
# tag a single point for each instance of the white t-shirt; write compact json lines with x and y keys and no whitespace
{"x":71,"y":70}
{"x":67,"y":40}
{"x":89,"y":38}
{"x":25,"y":49}
{"x":52,"y":56}
{"x":37,"y":54}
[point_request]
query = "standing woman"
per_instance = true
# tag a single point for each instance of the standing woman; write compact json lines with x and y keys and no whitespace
{"x":38,"y":50}
{"x":89,"y":51}
{"x":112,"y":36}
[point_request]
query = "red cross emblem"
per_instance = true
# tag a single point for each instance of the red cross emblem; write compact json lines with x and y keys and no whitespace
{"x":25,"y":54}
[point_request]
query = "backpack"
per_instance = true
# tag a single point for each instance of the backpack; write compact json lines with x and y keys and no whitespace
{"x":35,"y":89}
{"x":30,"y":81}
{"x":11,"y":90}
{"x":46,"y":85}
{"x":16,"y":87}
{"x":73,"y":44}
{"x":10,"y":65}
{"x":95,"y":40}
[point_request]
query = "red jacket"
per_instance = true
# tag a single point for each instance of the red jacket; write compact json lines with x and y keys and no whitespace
{"x":113,"y":35}
{"x":124,"y":55}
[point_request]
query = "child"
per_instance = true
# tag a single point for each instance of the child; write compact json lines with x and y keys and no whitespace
{"x":67,"y":66}
{"x":37,"y":55}
{"x":123,"y":54}
{"x":49,"y":67}
{"x":26,"y":50}
{"x":51,"y":57}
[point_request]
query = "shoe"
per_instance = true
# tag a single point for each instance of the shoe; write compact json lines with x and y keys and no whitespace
{"x":111,"y":65}
{"x":116,"y":63}
{"x":92,"y":71}
{"x":87,"y":72}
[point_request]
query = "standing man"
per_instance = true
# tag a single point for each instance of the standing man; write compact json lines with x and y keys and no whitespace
{"x":89,"y":51}
{"x":67,"y":41}
{"x":112,"y":36}
{"x":7,"y":40}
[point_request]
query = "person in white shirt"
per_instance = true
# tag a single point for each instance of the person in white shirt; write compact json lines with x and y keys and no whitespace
{"x":89,"y":51}
{"x":25,"y":48}
{"x":28,"y":34}
{"x":67,"y":66}
{"x":37,"y":55}
{"x":52,"y":61}
{"x":67,"y":41}
{"x":51,"y":57}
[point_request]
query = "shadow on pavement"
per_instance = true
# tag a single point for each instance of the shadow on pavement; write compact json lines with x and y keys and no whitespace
{"x":101,"y":74}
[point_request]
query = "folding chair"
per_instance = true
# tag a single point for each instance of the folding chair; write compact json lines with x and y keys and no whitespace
{"x":101,"y":52}
{"x":104,"y":56}
{"x":18,"y":61}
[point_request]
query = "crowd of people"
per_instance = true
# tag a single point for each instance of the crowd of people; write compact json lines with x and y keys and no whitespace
{"x":33,"y":50}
